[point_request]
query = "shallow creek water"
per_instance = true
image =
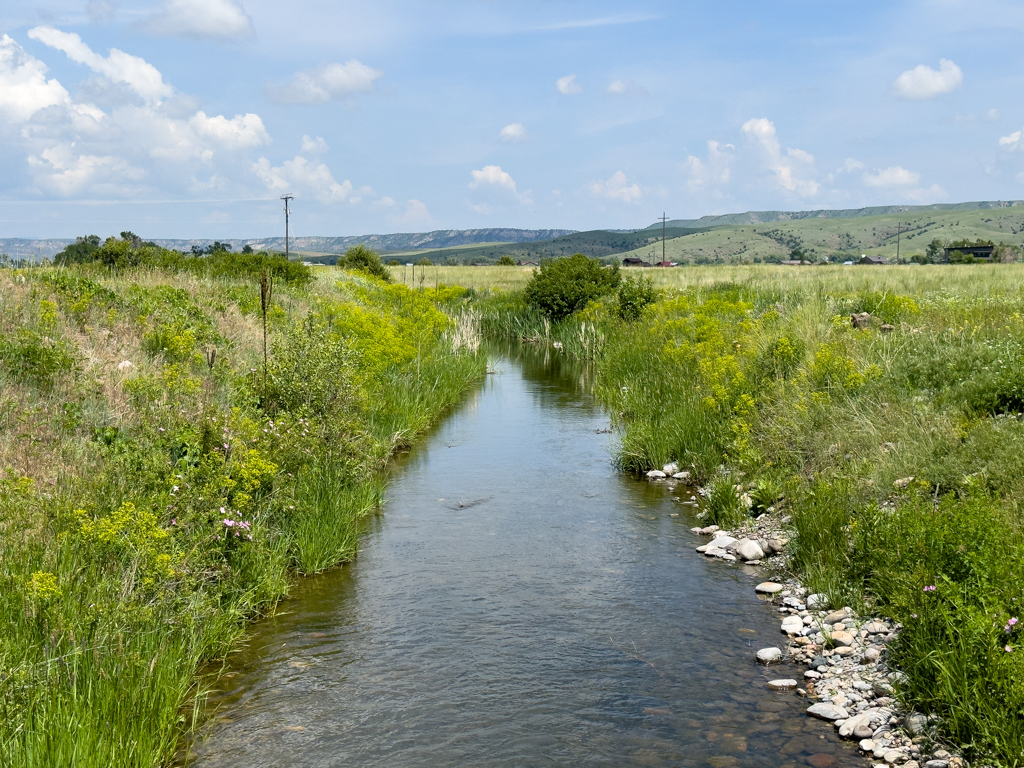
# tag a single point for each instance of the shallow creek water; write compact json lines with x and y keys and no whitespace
{"x":518,"y":603}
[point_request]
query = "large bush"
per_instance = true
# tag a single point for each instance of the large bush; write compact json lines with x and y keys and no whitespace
{"x":563,"y":286}
{"x":361,"y":258}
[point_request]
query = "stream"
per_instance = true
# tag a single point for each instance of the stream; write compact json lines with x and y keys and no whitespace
{"x":518,"y":602}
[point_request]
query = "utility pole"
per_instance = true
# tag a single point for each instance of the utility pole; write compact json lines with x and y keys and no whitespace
{"x":664,"y":218}
{"x":286,"y":198}
{"x":898,"y":226}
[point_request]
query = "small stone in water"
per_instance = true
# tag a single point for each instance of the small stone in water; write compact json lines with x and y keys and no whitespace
{"x":782,"y":685}
{"x":768,"y":588}
{"x":768,"y":655}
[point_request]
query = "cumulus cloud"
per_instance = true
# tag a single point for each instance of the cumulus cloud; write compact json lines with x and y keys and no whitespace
{"x":59,"y":169}
{"x":324,"y":83}
{"x":120,"y":67}
{"x":793,"y":170}
{"x":1012,"y":142}
{"x":201,"y":19}
{"x":617,"y":188}
{"x":712,"y":173}
{"x":303,"y":176}
{"x":241,"y":131}
{"x":493,"y":176}
{"x":567,"y":85}
{"x":313,"y":146}
{"x":24,"y":89}
{"x":513,"y":132}
{"x":923,"y":82}
{"x":893,"y":176}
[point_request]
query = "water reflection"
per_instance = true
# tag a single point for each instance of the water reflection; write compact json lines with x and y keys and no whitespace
{"x":517,"y":603}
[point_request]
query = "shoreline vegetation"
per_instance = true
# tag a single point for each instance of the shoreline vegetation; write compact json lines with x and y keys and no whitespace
{"x":175,"y":447}
{"x":879,"y":409}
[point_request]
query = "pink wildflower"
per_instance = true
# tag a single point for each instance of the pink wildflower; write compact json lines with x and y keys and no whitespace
{"x":1008,"y":649}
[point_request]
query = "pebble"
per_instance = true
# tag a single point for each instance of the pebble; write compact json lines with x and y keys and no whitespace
{"x":895,"y":757}
{"x":867,"y":745}
{"x":782,"y":685}
{"x":870,"y":654}
{"x":841,"y":638}
{"x":768,"y":655}
{"x":810,"y":674}
{"x":656,"y":474}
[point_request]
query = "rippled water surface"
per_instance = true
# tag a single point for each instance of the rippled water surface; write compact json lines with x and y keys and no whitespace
{"x":518,"y":603}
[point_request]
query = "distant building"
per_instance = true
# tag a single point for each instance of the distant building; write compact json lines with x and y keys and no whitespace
{"x":528,"y":264}
{"x":665,"y":264}
{"x":795,"y":263}
{"x":977,"y":251}
{"x":633,"y":261}
{"x":874,"y":260}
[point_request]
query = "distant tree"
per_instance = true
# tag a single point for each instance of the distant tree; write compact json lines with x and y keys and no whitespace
{"x":451,"y":261}
{"x":424,"y":262}
{"x":246,"y":248}
{"x":81,"y":251}
{"x":932,"y":252}
{"x":218,"y":247}
{"x":506,"y":261}
{"x":1006,"y":254}
{"x":362,"y":259}
{"x":563,"y":286}
{"x":132,"y":238}
{"x":394,"y":263}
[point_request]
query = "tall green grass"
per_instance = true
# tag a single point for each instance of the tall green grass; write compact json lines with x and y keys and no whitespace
{"x":155,"y":495}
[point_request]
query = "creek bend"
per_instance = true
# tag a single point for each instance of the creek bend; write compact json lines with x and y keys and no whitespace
{"x":518,"y":602}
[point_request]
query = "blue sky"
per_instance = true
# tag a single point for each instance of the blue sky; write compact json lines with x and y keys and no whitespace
{"x":188,"y":118}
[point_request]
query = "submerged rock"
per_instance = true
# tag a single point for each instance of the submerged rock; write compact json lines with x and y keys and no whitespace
{"x":782,"y":685}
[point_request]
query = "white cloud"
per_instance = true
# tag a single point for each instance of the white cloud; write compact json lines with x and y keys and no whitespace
{"x":203,"y":19}
{"x":923,"y":82}
{"x":326,"y":82}
{"x":24,"y":89}
{"x":713,"y":172}
{"x":617,"y":188}
{"x":414,"y":216}
{"x":313,"y":146}
{"x":793,"y":169}
{"x":493,"y":176}
{"x":931,"y":194}
{"x":567,"y":85}
{"x":239,"y":132}
{"x":141,"y":76}
{"x":59,"y":170}
{"x":513,"y":132}
{"x":852,"y":165}
{"x":626,"y":87}
{"x":302,"y":176}
{"x":1011,"y":142}
{"x":894,"y":176}
{"x":992,"y":114}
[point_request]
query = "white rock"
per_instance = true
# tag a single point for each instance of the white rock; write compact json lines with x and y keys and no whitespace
{"x":125,"y":365}
{"x":670,"y":469}
{"x":768,"y":588}
{"x":782,"y":685}
{"x":768,"y":655}
{"x":722,"y":542}
{"x":846,"y":729}
{"x":792,"y":625}
{"x":810,"y":674}
{"x":895,"y":757}
{"x":875,"y":628}
{"x":867,"y":745}
{"x":827,"y":711}
{"x":656,"y":474}
{"x":816,"y":600}
{"x":729,"y":558}
{"x":748,"y":550}
{"x":684,"y":476}
{"x":870,"y":655}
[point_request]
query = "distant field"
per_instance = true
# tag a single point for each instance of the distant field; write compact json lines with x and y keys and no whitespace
{"x":965,"y":280}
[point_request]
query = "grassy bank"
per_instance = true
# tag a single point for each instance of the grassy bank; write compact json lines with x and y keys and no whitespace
{"x":159,"y":486}
{"x":897,"y":447}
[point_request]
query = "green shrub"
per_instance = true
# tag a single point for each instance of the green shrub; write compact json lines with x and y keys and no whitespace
{"x":635,"y":295}
{"x":38,"y":359}
{"x":361,"y":258}
{"x":506,"y":261}
{"x":563,"y":286}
